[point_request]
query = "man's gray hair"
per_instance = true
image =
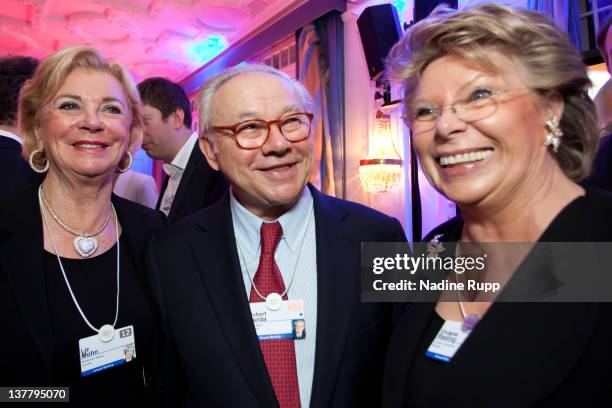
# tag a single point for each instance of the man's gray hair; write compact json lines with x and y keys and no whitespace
{"x":204,"y":99}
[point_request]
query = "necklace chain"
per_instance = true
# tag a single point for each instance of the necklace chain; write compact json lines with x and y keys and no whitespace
{"x":294,"y":266}
{"x":66,"y":227}
{"x":59,"y":261}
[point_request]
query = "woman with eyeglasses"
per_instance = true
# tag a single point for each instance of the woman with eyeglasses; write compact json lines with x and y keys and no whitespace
{"x":496,"y":102}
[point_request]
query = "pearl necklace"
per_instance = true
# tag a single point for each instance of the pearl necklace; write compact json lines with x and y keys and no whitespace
{"x":84,"y":244}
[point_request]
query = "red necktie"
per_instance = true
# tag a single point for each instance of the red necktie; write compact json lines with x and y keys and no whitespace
{"x":279,"y":355}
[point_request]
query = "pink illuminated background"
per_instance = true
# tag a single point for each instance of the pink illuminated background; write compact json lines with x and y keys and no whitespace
{"x":170,"y":38}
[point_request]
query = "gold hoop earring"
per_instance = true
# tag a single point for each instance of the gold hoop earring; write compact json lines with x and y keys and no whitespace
{"x":553,"y":133}
{"x":126,"y":168}
{"x":33,"y":166}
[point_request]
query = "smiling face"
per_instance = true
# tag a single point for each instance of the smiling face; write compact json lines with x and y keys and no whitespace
{"x":85,"y":127}
{"x":490,"y":160}
{"x":269,"y":180}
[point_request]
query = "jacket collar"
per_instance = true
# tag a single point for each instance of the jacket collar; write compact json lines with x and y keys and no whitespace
{"x":195,"y":158}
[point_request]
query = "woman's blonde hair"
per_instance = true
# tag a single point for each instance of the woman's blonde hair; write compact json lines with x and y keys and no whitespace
{"x":548,"y":60}
{"x":50,"y":77}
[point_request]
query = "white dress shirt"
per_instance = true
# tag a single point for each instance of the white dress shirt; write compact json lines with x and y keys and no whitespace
{"x":10,"y":135}
{"x":175,"y":170}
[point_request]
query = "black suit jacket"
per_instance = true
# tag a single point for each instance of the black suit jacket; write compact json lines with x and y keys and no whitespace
{"x":519,"y":354}
{"x":197,"y":282}
{"x":27,"y":335}
{"x":15,"y":172}
{"x":200,"y":186}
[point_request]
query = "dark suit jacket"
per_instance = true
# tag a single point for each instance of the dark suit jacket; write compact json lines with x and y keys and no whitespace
{"x":519,"y":354}
{"x":15,"y":172}
{"x":197,"y":281}
{"x":200,"y":186}
{"x":27,"y":335}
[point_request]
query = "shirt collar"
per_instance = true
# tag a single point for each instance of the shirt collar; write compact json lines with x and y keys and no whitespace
{"x":247,"y":224}
{"x":182,"y":157}
{"x":11,"y":135}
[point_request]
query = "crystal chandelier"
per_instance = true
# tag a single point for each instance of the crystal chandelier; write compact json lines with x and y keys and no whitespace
{"x":381,"y":171}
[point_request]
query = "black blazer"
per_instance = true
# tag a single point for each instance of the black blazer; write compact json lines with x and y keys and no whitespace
{"x":519,"y":354}
{"x":15,"y":172}
{"x":200,"y":186}
{"x":197,"y":282}
{"x":26,"y":337}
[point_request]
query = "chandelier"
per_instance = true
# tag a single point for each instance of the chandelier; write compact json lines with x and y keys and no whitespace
{"x":381,"y":170}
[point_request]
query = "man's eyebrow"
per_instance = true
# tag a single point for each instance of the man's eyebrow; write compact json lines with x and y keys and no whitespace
{"x":254,"y":115}
{"x":291,"y":108}
{"x":247,"y":115}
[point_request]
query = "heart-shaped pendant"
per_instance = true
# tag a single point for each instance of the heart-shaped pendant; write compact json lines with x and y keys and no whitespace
{"x":85,"y":246}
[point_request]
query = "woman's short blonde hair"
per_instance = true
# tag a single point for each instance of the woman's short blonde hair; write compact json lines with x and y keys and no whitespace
{"x":50,"y":77}
{"x":548,"y":60}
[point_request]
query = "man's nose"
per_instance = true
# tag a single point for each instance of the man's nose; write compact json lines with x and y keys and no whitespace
{"x":276,"y":142}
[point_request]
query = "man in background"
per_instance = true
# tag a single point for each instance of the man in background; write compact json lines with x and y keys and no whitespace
{"x":14,"y":169}
{"x":190,"y":184}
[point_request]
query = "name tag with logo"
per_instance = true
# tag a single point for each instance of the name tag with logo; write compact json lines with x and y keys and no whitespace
{"x":285,"y":323}
{"x":97,"y":356}
{"x":450,"y":337}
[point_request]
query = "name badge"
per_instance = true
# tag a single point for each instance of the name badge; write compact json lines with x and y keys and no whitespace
{"x":285,"y":323}
{"x":97,"y":356}
{"x":447,"y":342}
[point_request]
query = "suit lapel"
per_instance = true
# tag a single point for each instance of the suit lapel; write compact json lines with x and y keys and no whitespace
{"x":193,"y":162}
{"x":222,"y":277}
{"x":337,"y":263}
{"x":21,"y":259}
{"x":162,"y":192}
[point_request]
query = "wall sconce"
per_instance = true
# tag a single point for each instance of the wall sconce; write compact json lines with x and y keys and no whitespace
{"x":381,"y":170}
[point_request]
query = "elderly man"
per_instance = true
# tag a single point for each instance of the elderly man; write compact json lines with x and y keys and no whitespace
{"x":231,"y":279}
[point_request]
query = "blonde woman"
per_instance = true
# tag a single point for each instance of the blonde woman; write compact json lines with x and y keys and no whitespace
{"x":72,"y":289}
{"x":496,"y":102}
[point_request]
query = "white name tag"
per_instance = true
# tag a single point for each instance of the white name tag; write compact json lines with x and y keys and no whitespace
{"x":447,"y":342}
{"x":97,"y":356}
{"x":285,"y":323}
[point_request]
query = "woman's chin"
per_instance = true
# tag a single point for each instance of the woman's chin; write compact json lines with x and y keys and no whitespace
{"x":466,"y":196}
